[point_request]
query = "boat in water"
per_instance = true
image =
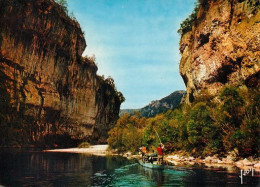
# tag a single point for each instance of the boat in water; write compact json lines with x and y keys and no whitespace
{"x":150,"y":165}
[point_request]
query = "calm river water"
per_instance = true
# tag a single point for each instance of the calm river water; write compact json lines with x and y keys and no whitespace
{"x":32,"y":168}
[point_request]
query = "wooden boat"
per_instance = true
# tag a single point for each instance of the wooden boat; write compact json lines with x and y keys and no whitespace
{"x":150,"y":165}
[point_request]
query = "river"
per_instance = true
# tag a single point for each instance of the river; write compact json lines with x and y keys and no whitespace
{"x":36,"y":168}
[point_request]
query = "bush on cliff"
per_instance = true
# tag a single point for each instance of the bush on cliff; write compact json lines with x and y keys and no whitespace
{"x":187,"y":24}
{"x":63,"y":4}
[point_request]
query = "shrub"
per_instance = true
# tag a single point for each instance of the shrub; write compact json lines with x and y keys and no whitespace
{"x":84,"y":145}
{"x":187,"y":24}
{"x":63,"y":4}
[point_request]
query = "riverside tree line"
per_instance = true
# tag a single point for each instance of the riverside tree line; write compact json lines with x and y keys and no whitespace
{"x":210,"y":125}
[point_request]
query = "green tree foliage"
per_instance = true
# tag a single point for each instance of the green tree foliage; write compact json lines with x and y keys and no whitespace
{"x":239,"y":118}
{"x":205,"y":128}
{"x":232,"y":106}
{"x":201,"y":129}
{"x":127,"y":133}
{"x":110,"y":81}
{"x":187,"y":24}
{"x":63,"y":4}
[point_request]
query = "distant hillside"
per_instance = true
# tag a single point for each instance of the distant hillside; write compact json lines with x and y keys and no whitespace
{"x":155,"y":107}
{"x":130,"y":111}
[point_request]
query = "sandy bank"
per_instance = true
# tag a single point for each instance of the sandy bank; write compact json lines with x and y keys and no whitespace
{"x":93,"y":150}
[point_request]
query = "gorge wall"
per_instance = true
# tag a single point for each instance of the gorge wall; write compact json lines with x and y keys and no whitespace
{"x":50,"y":94}
{"x":222,"y":48}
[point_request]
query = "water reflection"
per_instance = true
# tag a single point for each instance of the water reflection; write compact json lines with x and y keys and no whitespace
{"x":43,"y":169}
{"x":65,"y":169}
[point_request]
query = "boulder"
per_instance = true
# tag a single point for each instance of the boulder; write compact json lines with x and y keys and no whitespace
{"x":257,"y":165}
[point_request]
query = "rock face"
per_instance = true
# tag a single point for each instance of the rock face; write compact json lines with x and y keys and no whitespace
{"x":48,"y":90}
{"x":223,"y":47}
{"x":169,"y":102}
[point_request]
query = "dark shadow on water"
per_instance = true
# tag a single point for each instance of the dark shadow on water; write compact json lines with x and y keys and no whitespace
{"x":36,"y":168}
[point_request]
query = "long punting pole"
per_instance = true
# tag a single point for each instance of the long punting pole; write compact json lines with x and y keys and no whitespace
{"x":158,"y":135}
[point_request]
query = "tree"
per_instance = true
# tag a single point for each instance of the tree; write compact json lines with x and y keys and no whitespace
{"x":187,"y":24}
{"x":232,"y":106}
{"x":127,"y":133}
{"x":63,"y":4}
{"x":200,"y":127}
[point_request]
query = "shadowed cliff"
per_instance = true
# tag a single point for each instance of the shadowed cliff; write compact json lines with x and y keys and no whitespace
{"x":50,"y":94}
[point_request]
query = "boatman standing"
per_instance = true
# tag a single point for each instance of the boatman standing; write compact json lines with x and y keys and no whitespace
{"x":160,"y":153}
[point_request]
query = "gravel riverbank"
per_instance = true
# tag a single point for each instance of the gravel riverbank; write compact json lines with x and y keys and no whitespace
{"x":211,"y":161}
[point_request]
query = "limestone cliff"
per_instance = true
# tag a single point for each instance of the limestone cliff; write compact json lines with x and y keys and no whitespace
{"x":222,"y":48}
{"x":48,"y":90}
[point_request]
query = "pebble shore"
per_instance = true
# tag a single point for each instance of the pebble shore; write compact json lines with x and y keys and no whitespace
{"x":175,"y":159}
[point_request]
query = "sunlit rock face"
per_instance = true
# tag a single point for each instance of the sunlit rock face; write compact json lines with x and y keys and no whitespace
{"x":223,"y":47}
{"x":47,"y":89}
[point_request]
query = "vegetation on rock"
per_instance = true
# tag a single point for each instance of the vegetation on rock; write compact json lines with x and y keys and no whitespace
{"x":212,"y":57}
{"x":187,"y":24}
{"x":63,"y":4}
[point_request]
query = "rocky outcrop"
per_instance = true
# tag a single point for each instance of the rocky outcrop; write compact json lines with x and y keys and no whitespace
{"x":222,"y":48}
{"x":48,"y":90}
{"x":169,"y":102}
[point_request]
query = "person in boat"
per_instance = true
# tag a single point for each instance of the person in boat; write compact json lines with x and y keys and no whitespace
{"x":160,"y":153}
{"x":152,"y":157}
{"x":143,"y":151}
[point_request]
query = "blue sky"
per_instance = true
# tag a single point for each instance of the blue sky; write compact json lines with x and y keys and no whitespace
{"x":135,"y":42}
